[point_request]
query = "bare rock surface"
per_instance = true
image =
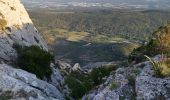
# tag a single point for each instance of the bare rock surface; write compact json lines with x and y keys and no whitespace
{"x":17,"y":84}
{"x":136,"y":82}
{"x":152,"y":88}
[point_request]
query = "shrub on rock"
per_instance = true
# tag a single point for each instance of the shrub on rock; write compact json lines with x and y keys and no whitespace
{"x":35,"y":60}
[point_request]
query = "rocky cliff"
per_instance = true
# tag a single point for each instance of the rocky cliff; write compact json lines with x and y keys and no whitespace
{"x":16,"y":27}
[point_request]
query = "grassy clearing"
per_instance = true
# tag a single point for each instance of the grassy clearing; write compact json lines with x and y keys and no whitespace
{"x":76,"y":36}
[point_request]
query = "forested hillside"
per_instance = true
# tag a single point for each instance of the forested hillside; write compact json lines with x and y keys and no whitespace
{"x":133,"y":25}
{"x":96,"y":35}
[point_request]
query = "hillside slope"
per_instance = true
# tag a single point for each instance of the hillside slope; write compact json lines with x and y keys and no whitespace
{"x":147,"y":80}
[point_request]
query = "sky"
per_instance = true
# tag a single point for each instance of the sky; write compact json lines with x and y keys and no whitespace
{"x":108,"y":1}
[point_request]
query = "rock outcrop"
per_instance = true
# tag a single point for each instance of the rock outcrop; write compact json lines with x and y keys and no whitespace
{"x":116,"y":87}
{"x":152,"y":88}
{"x":57,"y":80}
{"x":132,"y":83}
{"x":16,"y":27}
{"x":67,"y":67}
{"x":18,"y":84}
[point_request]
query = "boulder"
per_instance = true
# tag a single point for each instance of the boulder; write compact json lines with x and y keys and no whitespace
{"x":76,"y":67}
{"x":63,"y":65}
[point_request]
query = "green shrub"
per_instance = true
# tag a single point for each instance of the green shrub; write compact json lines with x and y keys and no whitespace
{"x":160,"y":43}
{"x":114,"y":86}
{"x":131,"y":80}
{"x":149,"y":49}
{"x":77,"y":87}
{"x":34,"y":59}
{"x":98,"y":73}
{"x":78,"y":81}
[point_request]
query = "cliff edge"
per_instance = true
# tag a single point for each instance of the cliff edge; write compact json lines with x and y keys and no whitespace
{"x":16,"y":27}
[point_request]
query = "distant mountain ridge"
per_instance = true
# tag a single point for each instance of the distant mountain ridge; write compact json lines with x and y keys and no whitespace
{"x":147,"y":4}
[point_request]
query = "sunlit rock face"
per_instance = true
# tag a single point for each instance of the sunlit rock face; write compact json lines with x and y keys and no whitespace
{"x":16,"y":27}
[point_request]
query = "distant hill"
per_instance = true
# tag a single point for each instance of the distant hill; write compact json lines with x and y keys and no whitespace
{"x":147,"y":4}
{"x":132,"y":25}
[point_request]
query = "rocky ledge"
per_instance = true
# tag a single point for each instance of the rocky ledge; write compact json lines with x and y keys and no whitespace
{"x":132,"y":83}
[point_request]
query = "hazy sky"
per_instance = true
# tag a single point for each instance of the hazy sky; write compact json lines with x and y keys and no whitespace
{"x":111,"y":1}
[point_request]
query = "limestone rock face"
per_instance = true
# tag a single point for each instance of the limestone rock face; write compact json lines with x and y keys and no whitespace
{"x":133,"y":83}
{"x":16,"y":27}
{"x":152,"y":88}
{"x":21,"y":85}
{"x":57,"y":80}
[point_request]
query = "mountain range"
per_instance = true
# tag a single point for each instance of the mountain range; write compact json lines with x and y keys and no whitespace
{"x":147,"y":4}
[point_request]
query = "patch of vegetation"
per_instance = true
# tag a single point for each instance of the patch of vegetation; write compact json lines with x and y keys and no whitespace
{"x":81,"y":83}
{"x":162,"y":39}
{"x":132,"y":83}
{"x":114,"y":86}
{"x":161,"y":68}
{"x":132,"y":25}
{"x":138,"y":53}
{"x":7,"y":95}
{"x":77,"y":87}
{"x":131,"y":80}
{"x":3,"y":24}
{"x":98,"y":73}
{"x":160,"y":43}
{"x":35,"y":60}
